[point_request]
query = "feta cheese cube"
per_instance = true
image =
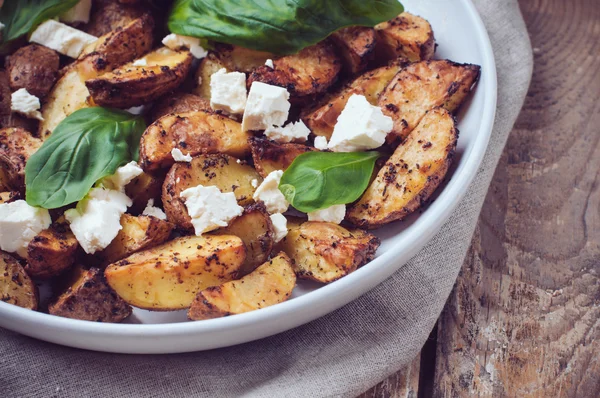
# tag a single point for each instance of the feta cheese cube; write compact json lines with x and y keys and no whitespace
{"x":153,"y":211}
{"x":62,"y":38}
{"x":210,"y":208}
{"x":26,"y":104}
{"x":79,"y":13}
{"x":140,"y":62}
{"x":292,"y":132}
{"x":280,"y":226}
{"x":268,"y":192}
{"x":334,"y":214}
{"x":19,"y":224}
{"x":175,"y":42}
{"x":228,"y":91}
{"x":360,"y":126}
{"x":123,"y":176}
{"x":269,"y":63}
{"x":321,"y":143}
{"x":178,"y":156}
{"x":267,"y":106}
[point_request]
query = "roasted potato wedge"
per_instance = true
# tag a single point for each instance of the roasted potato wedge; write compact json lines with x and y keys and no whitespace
{"x":168,"y":277}
{"x":407,"y":36}
{"x":198,"y":132}
{"x":236,"y":58}
{"x":15,"y":285}
{"x":305,"y":75}
{"x":52,"y":251}
{"x":356,"y":45}
{"x":269,"y":284}
{"x":111,"y":15}
{"x":411,"y":175}
{"x":16,"y":146}
{"x":269,"y":156}
{"x":34,"y":68}
{"x":325,"y":252}
{"x":222,"y":171}
{"x":143,"y":188}
{"x":138,"y":233}
{"x":209,"y":65}
{"x":9,"y":196}
{"x":179,"y":103}
{"x":89,"y":298}
{"x":371,"y":84}
{"x":5,"y":98}
{"x":130,"y":85}
{"x":421,"y":87}
{"x":255,"y":229}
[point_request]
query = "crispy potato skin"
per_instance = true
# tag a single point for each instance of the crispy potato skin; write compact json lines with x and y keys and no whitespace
{"x":15,"y":285}
{"x":236,"y":58}
{"x":34,"y":68}
{"x":52,"y":251}
{"x":222,"y":171}
{"x":179,"y":103}
{"x":143,"y":188}
{"x":269,"y":156}
{"x":407,"y":36}
{"x":305,"y":75}
{"x":16,"y":146}
{"x":169,"y":276}
{"x":111,"y":15}
{"x":209,"y":65}
{"x":269,"y":284}
{"x":421,"y":87}
{"x":5,"y":94}
{"x":138,"y":233}
{"x":325,"y":252}
{"x":89,"y":298}
{"x":356,"y":44}
{"x":411,"y":175}
{"x":197,"y":132}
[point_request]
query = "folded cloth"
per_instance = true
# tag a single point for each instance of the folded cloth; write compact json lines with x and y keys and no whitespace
{"x":342,"y":354}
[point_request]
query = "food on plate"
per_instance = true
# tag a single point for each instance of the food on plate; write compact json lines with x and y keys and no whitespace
{"x":8,"y":196}
{"x":269,"y":156}
{"x":179,"y":103}
{"x":16,"y":287}
{"x":111,"y":15}
{"x":52,"y":251}
{"x":16,"y":146}
{"x":356,"y":44}
{"x":406,"y":36}
{"x":208,"y":66}
{"x":34,"y":68}
{"x":142,"y":189}
{"x":236,"y":58}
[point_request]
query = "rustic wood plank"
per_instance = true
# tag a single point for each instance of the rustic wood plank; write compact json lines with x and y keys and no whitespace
{"x":403,"y":384}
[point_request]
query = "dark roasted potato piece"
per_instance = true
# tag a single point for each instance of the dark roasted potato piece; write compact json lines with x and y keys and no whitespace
{"x":15,"y":285}
{"x":34,"y":68}
{"x":269,"y":284}
{"x":356,"y":44}
{"x":407,"y":36}
{"x":305,"y":75}
{"x":325,"y":252}
{"x":52,"y":251}
{"x":411,"y":175}
{"x":209,"y":65}
{"x":222,"y":171}
{"x":194,"y":133}
{"x":269,"y":156}
{"x":5,"y":100}
{"x":236,"y":58}
{"x":179,"y":103}
{"x":143,"y":188}
{"x":110,"y":15}
{"x":16,"y":146}
{"x":89,"y":298}
{"x":9,"y":196}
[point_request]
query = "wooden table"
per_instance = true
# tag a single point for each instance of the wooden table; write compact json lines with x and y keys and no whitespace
{"x":524,"y":317}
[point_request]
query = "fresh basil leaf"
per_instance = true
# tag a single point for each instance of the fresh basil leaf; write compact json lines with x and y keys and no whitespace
{"x":318,"y":180}
{"x":88,"y":145}
{"x":281,"y":27}
{"x":21,"y":17}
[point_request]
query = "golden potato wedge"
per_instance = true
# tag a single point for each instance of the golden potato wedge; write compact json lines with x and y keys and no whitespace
{"x":305,"y":75}
{"x":325,"y":252}
{"x":407,"y":36}
{"x":222,"y":171}
{"x":169,"y":276}
{"x":9,"y":196}
{"x":271,"y":283}
{"x":16,"y":147}
{"x":111,"y":15}
{"x":421,"y":87}
{"x":236,"y":58}
{"x":89,"y":298}
{"x":356,"y":44}
{"x":138,"y":233}
{"x":52,"y":251}
{"x":15,"y":285}
{"x":34,"y":68}
{"x":371,"y":84}
{"x":179,"y":103}
{"x":198,"y":132}
{"x":411,"y":175}
{"x":255,"y":229}
{"x":209,"y":65}
{"x":143,"y":188}
{"x":130,"y":85}
{"x":269,"y":156}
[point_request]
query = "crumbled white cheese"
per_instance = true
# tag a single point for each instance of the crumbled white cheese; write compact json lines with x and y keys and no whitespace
{"x":279,"y":226}
{"x":96,"y":220}
{"x":292,"y":132}
{"x":238,"y":161}
{"x":140,"y":62}
{"x":228,"y":91}
{"x":178,"y":156}
{"x":136,"y":110}
{"x":79,"y":13}
{"x":210,"y":208}
{"x":269,"y":63}
{"x":334,"y":214}
{"x":254,"y":183}
{"x":154,"y":211}
{"x":175,"y":42}
{"x":123,"y":176}
{"x":19,"y":224}
{"x":268,"y":192}
{"x":62,"y":38}
{"x":267,"y":106}
{"x":26,"y":104}
{"x":321,"y":143}
{"x":360,"y":126}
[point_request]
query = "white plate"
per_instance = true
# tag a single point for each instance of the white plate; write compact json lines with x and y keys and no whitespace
{"x":462,"y":38}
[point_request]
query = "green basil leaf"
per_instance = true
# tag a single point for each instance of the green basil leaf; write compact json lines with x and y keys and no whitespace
{"x":88,"y":145}
{"x":281,"y":27}
{"x":21,"y":17}
{"x":318,"y":180}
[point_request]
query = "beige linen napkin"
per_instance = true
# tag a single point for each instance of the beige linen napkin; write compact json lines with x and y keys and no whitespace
{"x":342,"y":354}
